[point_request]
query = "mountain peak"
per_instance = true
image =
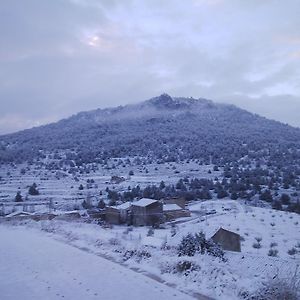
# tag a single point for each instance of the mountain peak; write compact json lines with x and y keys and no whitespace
{"x":166,"y":101}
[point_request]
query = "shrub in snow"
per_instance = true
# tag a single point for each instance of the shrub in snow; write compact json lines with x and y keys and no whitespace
{"x":150,"y":232}
{"x":33,"y":190}
{"x":279,"y":289}
{"x":114,"y":241}
{"x":273,"y":252}
{"x":18,"y":197}
{"x":167,"y":267}
{"x":137,"y":254}
{"x":185,"y":267}
{"x":131,"y":173}
{"x":273,"y":244}
{"x":258,"y":239}
{"x":285,"y":199}
{"x":292,"y":251}
{"x":256,"y":245}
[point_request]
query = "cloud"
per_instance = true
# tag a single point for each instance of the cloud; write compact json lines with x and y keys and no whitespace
{"x":60,"y":57}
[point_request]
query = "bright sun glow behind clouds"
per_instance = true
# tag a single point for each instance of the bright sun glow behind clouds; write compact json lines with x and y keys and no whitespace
{"x":61,"y":57}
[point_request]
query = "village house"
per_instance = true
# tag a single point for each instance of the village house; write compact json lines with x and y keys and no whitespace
{"x":118,"y":214}
{"x":228,"y":240}
{"x":147,"y":212}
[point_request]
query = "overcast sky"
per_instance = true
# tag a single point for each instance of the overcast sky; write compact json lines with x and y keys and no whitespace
{"x":59,"y":57}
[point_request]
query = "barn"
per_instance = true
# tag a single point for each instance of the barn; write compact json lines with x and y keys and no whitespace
{"x":180,"y":201}
{"x":228,"y":240}
{"x":174,"y":211}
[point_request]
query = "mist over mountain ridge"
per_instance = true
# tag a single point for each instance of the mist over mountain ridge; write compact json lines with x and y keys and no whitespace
{"x":163,"y":127}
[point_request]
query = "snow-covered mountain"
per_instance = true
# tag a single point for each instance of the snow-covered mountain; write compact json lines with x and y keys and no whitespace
{"x":163,"y":128}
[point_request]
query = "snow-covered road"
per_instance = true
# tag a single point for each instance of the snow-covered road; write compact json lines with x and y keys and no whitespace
{"x":34,"y":266}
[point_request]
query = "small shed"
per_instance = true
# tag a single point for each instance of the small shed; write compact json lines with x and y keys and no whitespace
{"x":180,"y":201}
{"x":147,"y":212}
{"x":174,"y":211}
{"x":228,"y":240}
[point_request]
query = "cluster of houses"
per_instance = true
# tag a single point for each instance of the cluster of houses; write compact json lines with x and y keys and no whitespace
{"x":147,"y":212}
{"x":144,"y":212}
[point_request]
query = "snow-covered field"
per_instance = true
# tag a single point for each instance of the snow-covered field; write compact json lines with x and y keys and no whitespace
{"x":156,"y":256}
{"x":63,"y":188}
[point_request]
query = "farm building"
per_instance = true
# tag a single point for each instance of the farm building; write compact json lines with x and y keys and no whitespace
{"x":174,"y":211}
{"x":25,"y":206}
{"x":180,"y":201}
{"x":228,"y":240}
{"x":147,"y":212}
{"x":118,"y":214}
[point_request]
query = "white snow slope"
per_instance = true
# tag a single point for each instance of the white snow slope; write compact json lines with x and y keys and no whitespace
{"x":34,"y":266}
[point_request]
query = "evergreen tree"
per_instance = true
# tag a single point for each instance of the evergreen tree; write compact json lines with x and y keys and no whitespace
{"x":187,"y":246}
{"x":285,"y":199}
{"x":18,"y":197}
{"x":33,"y":190}
{"x":101,"y":204}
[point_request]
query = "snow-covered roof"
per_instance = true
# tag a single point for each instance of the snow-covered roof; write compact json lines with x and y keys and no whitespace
{"x":13,"y":203}
{"x":125,"y":205}
{"x":18,"y":213}
{"x":169,"y":207}
{"x":144,"y":202}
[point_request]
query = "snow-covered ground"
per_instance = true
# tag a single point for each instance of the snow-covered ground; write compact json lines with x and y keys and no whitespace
{"x":155,"y":254}
{"x":34,"y":266}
